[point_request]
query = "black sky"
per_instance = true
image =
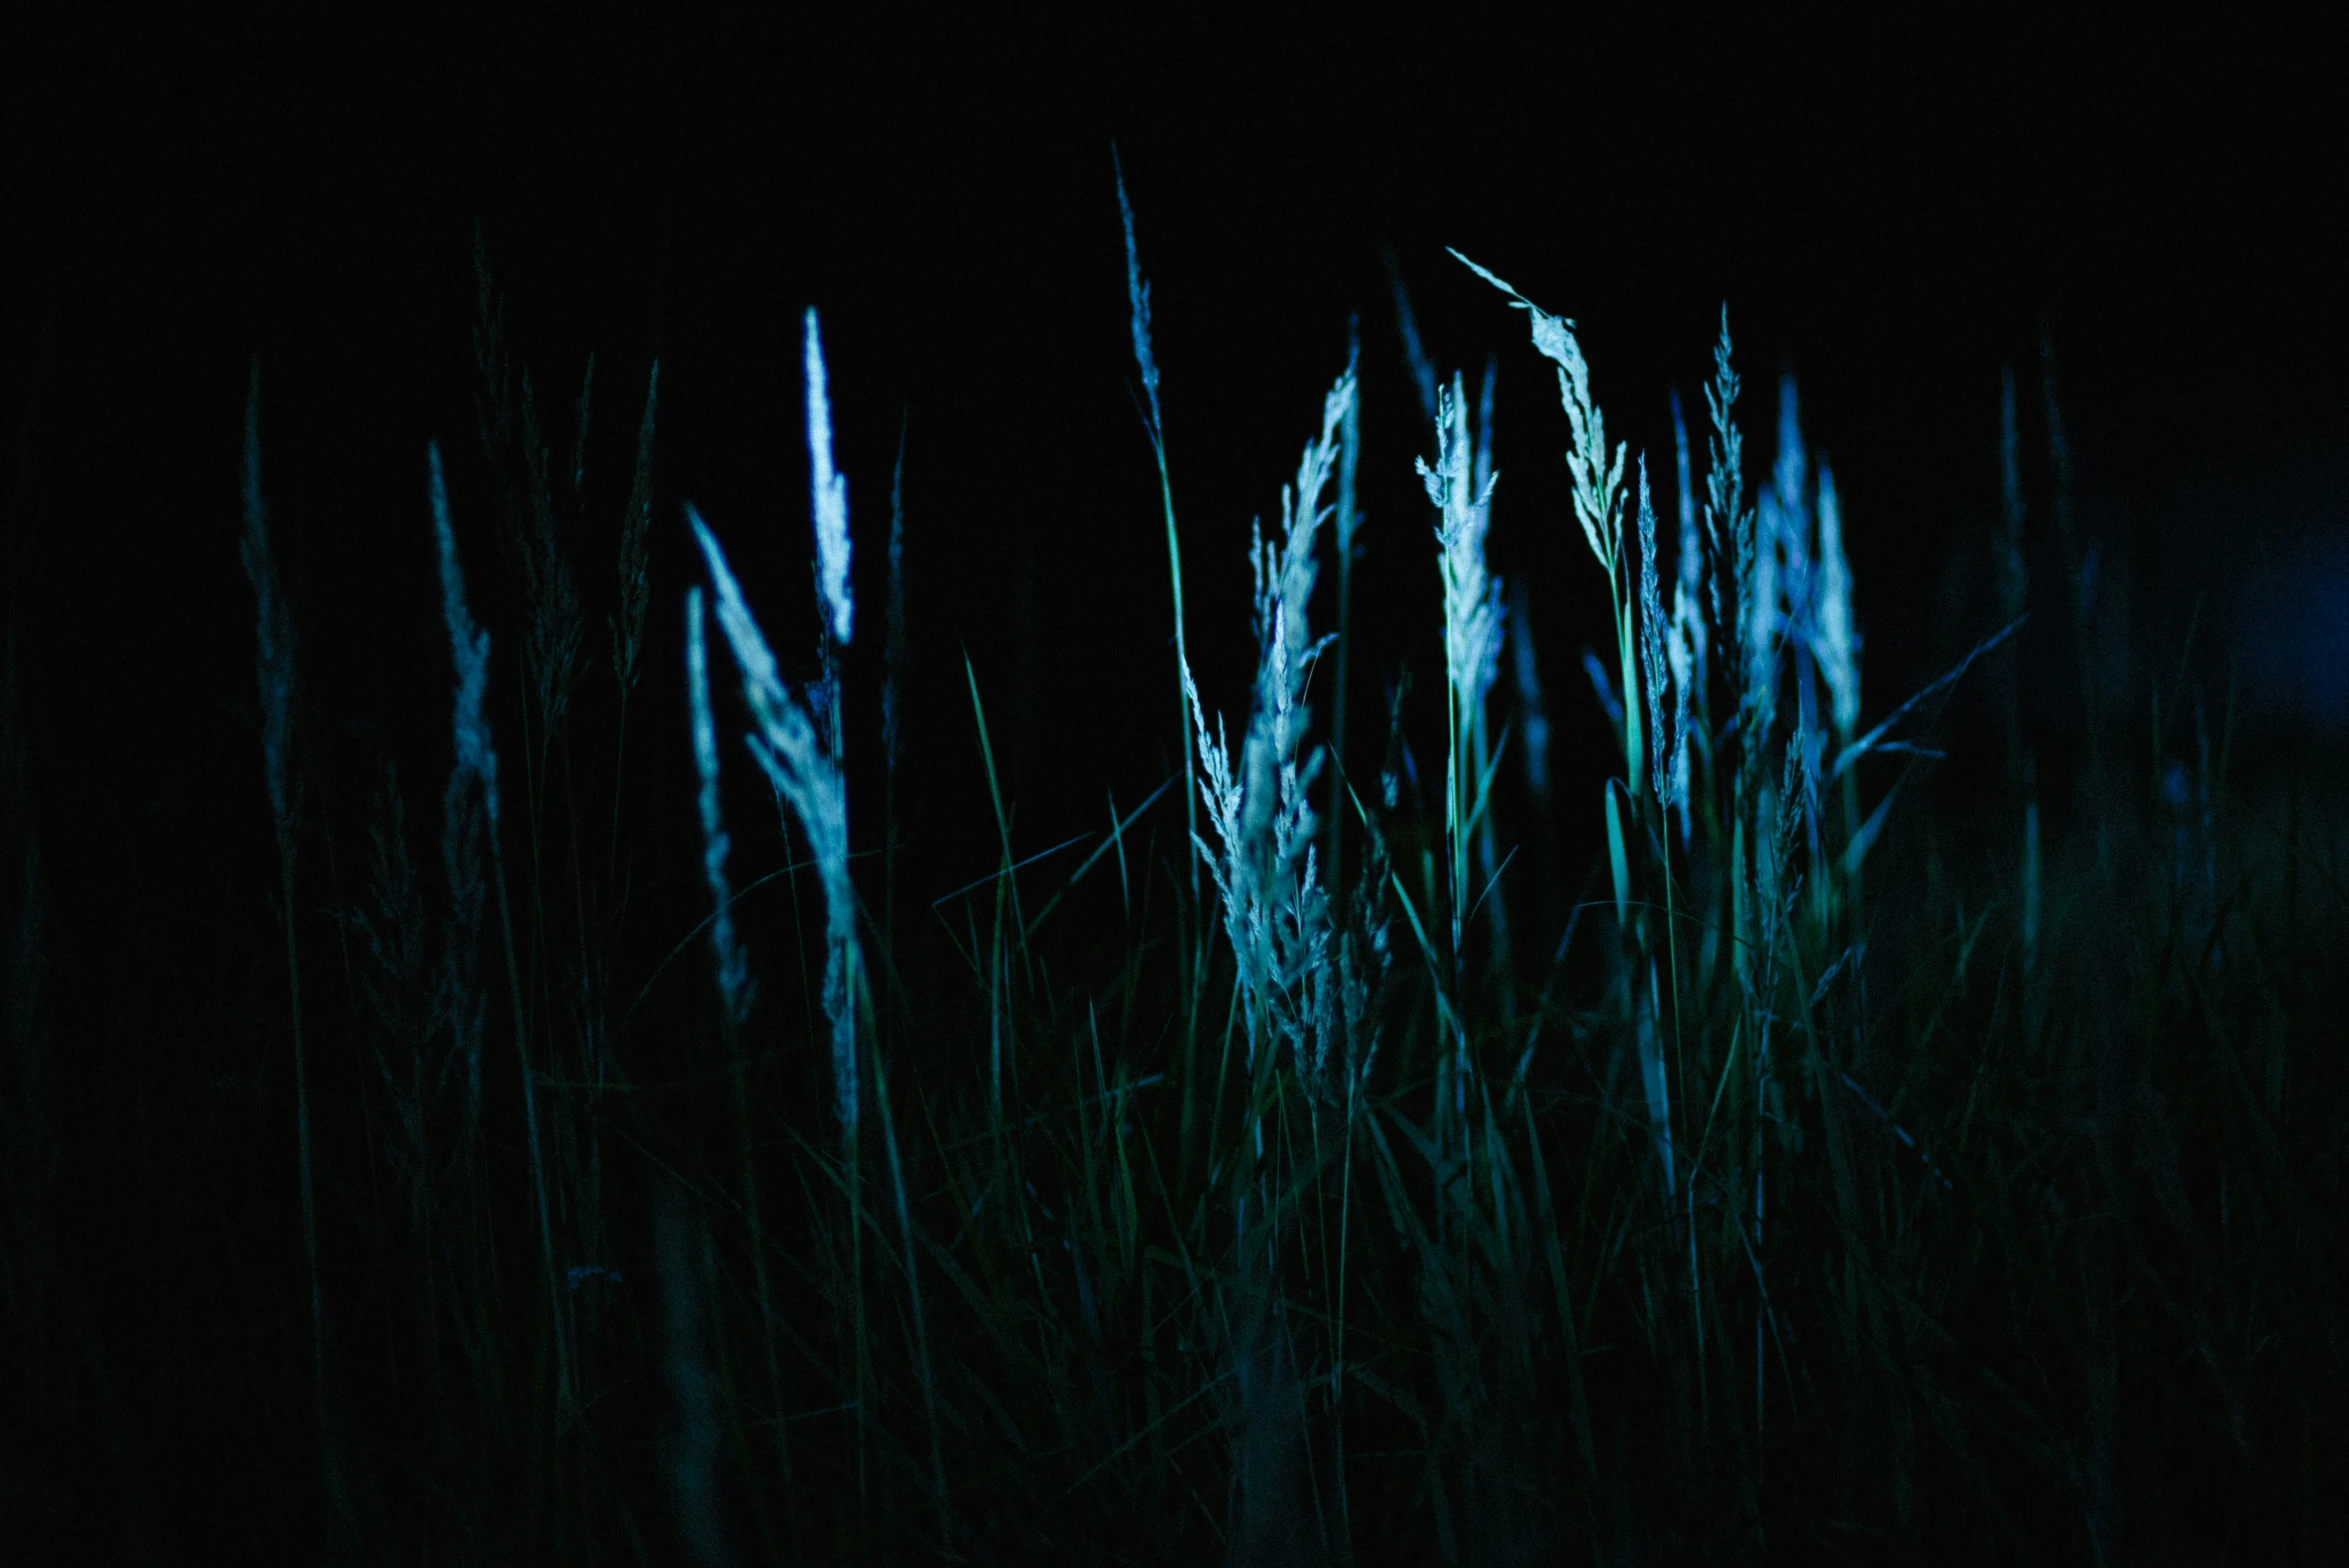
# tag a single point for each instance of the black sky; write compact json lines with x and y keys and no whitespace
{"x":1890,"y":215}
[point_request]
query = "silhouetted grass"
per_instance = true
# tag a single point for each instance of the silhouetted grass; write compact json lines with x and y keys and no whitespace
{"x":1388,"y":1193}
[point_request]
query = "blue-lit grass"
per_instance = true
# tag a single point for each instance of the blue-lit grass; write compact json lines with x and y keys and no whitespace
{"x":1279,"y":1218}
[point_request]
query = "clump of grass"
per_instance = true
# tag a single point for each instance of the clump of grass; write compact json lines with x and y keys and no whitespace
{"x":1303,"y":1217}
{"x":1276,"y":913}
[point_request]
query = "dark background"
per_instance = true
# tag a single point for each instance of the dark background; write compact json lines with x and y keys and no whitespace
{"x":1892,"y":217}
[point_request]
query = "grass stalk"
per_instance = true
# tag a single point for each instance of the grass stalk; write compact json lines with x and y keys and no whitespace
{"x":479,"y":757}
{"x":1978,"y":1269}
{"x":274,"y":666}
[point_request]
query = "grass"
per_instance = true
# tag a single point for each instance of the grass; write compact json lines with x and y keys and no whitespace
{"x":1369,"y":1198}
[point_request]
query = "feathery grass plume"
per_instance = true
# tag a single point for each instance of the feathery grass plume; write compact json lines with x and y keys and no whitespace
{"x":1690,"y":574}
{"x":1667,"y":730}
{"x":734,"y":985}
{"x":274,"y":671}
{"x":627,"y":627}
{"x":1688,"y":644}
{"x":1488,"y":860}
{"x":477,"y":763}
{"x":1684,"y":653}
{"x":1275,"y":915}
{"x":1472,"y":633}
{"x":1752,"y":550}
{"x":1726,"y":522}
{"x":1786,"y":514}
{"x":798,"y":763}
{"x":1835,"y":641}
{"x":1285,"y":577}
{"x":1348,"y":516}
{"x":1598,"y":487}
{"x":805,"y":773}
{"x":1741,"y":623}
{"x":1761,"y":603}
{"x":1275,"y":912}
{"x":1667,"y":740}
{"x":1790,"y":485}
{"x":830,"y":488}
{"x":1146,"y":365}
{"x":1598,"y":477}
{"x":469,"y":646}
{"x":1347,"y":519}
{"x":1138,"y":300}
{"x":1472,"y":598}
{"x":1836,"y":646}
{"x":836,"y":609}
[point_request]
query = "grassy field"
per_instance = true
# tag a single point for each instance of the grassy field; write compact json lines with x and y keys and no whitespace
{"x":1312,"y":1158}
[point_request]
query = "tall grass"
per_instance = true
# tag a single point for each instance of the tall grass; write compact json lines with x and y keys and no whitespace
{"x":1289,"y":1217}
{"x":274,"y":670}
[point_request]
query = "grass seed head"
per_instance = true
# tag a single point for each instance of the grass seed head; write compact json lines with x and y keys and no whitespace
{"x":1276,"y":914}
{"x":830,"y":492}
{"x":1597,"y":474}
{"x":1665,"y":757}
{"x":1690,"y":575}
{"x":1836,"y":641}
{"x":791,"y":752}
{"x":469,"y":647}
{"x":733,"y":971}
{"x":1472,"y":599}
{"x":1138,"y":300}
